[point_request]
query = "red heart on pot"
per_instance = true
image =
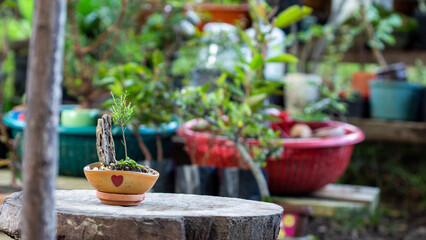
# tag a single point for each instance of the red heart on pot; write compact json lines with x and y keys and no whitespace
{"x":117,"y":180}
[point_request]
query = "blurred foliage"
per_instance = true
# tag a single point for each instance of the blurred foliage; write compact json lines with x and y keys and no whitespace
{"x":149,"y":91}
{"x":15,"y":26}
{"x":329,"y":104}
{"x":9,"y":100}
{"x":417,"y":73}
{"x":15,"y":17}
{"x":225,"y":1}
{"x":384,"y":25}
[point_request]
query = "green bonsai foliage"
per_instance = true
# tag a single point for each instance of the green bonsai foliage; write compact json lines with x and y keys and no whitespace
{"x":122,"y":113}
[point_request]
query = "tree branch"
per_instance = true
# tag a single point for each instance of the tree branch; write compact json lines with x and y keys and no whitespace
{"x":159,"y":146}
{"x":256,"y":170}
{"x":106,"y":34}
{"x":142,"y":145}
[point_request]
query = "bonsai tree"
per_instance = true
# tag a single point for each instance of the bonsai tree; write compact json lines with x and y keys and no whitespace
{"x":236,"y":108}
{"x":150,"y":94}
{"x":122,"y":113}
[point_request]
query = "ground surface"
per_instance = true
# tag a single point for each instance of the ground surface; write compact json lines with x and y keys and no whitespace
{"x":400,"y":172}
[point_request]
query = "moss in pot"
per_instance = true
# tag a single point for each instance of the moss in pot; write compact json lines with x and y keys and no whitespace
{"x":122,"y":182}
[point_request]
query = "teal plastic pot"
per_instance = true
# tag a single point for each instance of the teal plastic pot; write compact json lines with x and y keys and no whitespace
{"x":394,"y":100}
{"x":77,"y":145}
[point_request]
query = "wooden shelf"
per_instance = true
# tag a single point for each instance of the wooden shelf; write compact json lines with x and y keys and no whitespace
{"x":391,"y":131}
{"x":391,"y":55}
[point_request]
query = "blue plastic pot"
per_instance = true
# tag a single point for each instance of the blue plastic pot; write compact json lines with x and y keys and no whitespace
{"x":77,"y":145}
{"x":394,"y":100}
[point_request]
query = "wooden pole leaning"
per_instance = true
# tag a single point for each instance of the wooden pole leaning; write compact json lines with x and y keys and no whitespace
{"x":44,"y":93}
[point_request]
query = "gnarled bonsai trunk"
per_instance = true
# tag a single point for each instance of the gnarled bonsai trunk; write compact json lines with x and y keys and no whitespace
{"x":104,"y":141}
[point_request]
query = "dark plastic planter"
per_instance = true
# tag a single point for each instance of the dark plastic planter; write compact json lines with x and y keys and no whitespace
{"x":239,"y":183}
{"x":166,"y":181}
{"x":77,"y":145}
{"x":395,"y":100}
{"x":357,"y":108}
{"x":421,"y":38}
{"x":193,"y":179}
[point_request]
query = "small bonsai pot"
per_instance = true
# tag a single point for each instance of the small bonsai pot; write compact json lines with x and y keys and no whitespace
{"x":124,"y":188}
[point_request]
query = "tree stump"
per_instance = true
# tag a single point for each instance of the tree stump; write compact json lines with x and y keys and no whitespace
{"x":161,"y":216}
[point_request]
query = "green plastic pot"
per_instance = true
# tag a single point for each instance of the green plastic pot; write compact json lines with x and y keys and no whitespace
{"x":79,"y":117}
{"x":394,"y":100}
{"x":77,"y":145}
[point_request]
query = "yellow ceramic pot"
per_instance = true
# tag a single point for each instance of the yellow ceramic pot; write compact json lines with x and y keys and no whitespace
{"x":122,"y":182}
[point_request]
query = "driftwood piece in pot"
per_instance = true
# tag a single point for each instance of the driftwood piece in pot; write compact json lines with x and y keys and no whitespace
{"x":104,"y":141}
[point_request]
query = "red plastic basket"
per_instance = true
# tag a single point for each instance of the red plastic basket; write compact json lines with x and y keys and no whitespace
{"x":305,"y":165}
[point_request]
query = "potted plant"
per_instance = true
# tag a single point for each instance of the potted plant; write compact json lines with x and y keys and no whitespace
{"x":327,"y":43}
{"x":233,"y":110}
{"x":391,"y":84}
{"x":151,"y":94}
{"x":122,"y":182}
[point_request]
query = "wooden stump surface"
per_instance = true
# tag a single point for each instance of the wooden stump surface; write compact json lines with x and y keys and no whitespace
{"x":161,"y":216}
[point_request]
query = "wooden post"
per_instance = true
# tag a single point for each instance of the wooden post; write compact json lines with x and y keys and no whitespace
{"x":42,"y":119}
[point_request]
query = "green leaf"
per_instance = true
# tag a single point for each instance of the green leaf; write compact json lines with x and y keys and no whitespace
{"x":221,"y":80}
{"x":26,"y":9}
{"x":247,"y":40}
{"x":256,"y":99}
{"x":291,"y":15}
{"x":157,"y":58}
{"x":283,"y":58}
{"x":256,"y":62}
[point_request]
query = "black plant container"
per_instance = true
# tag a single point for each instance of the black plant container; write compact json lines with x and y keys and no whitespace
{"x":239,"y":183}
{"x":422,"y":112}
{"x":193,"y":179}
{"x":358,"y":108}
{"x":421,"y":35}
{"x":21,"y":63}
{"x":3,"y":150}
{"x":166,"y":181}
